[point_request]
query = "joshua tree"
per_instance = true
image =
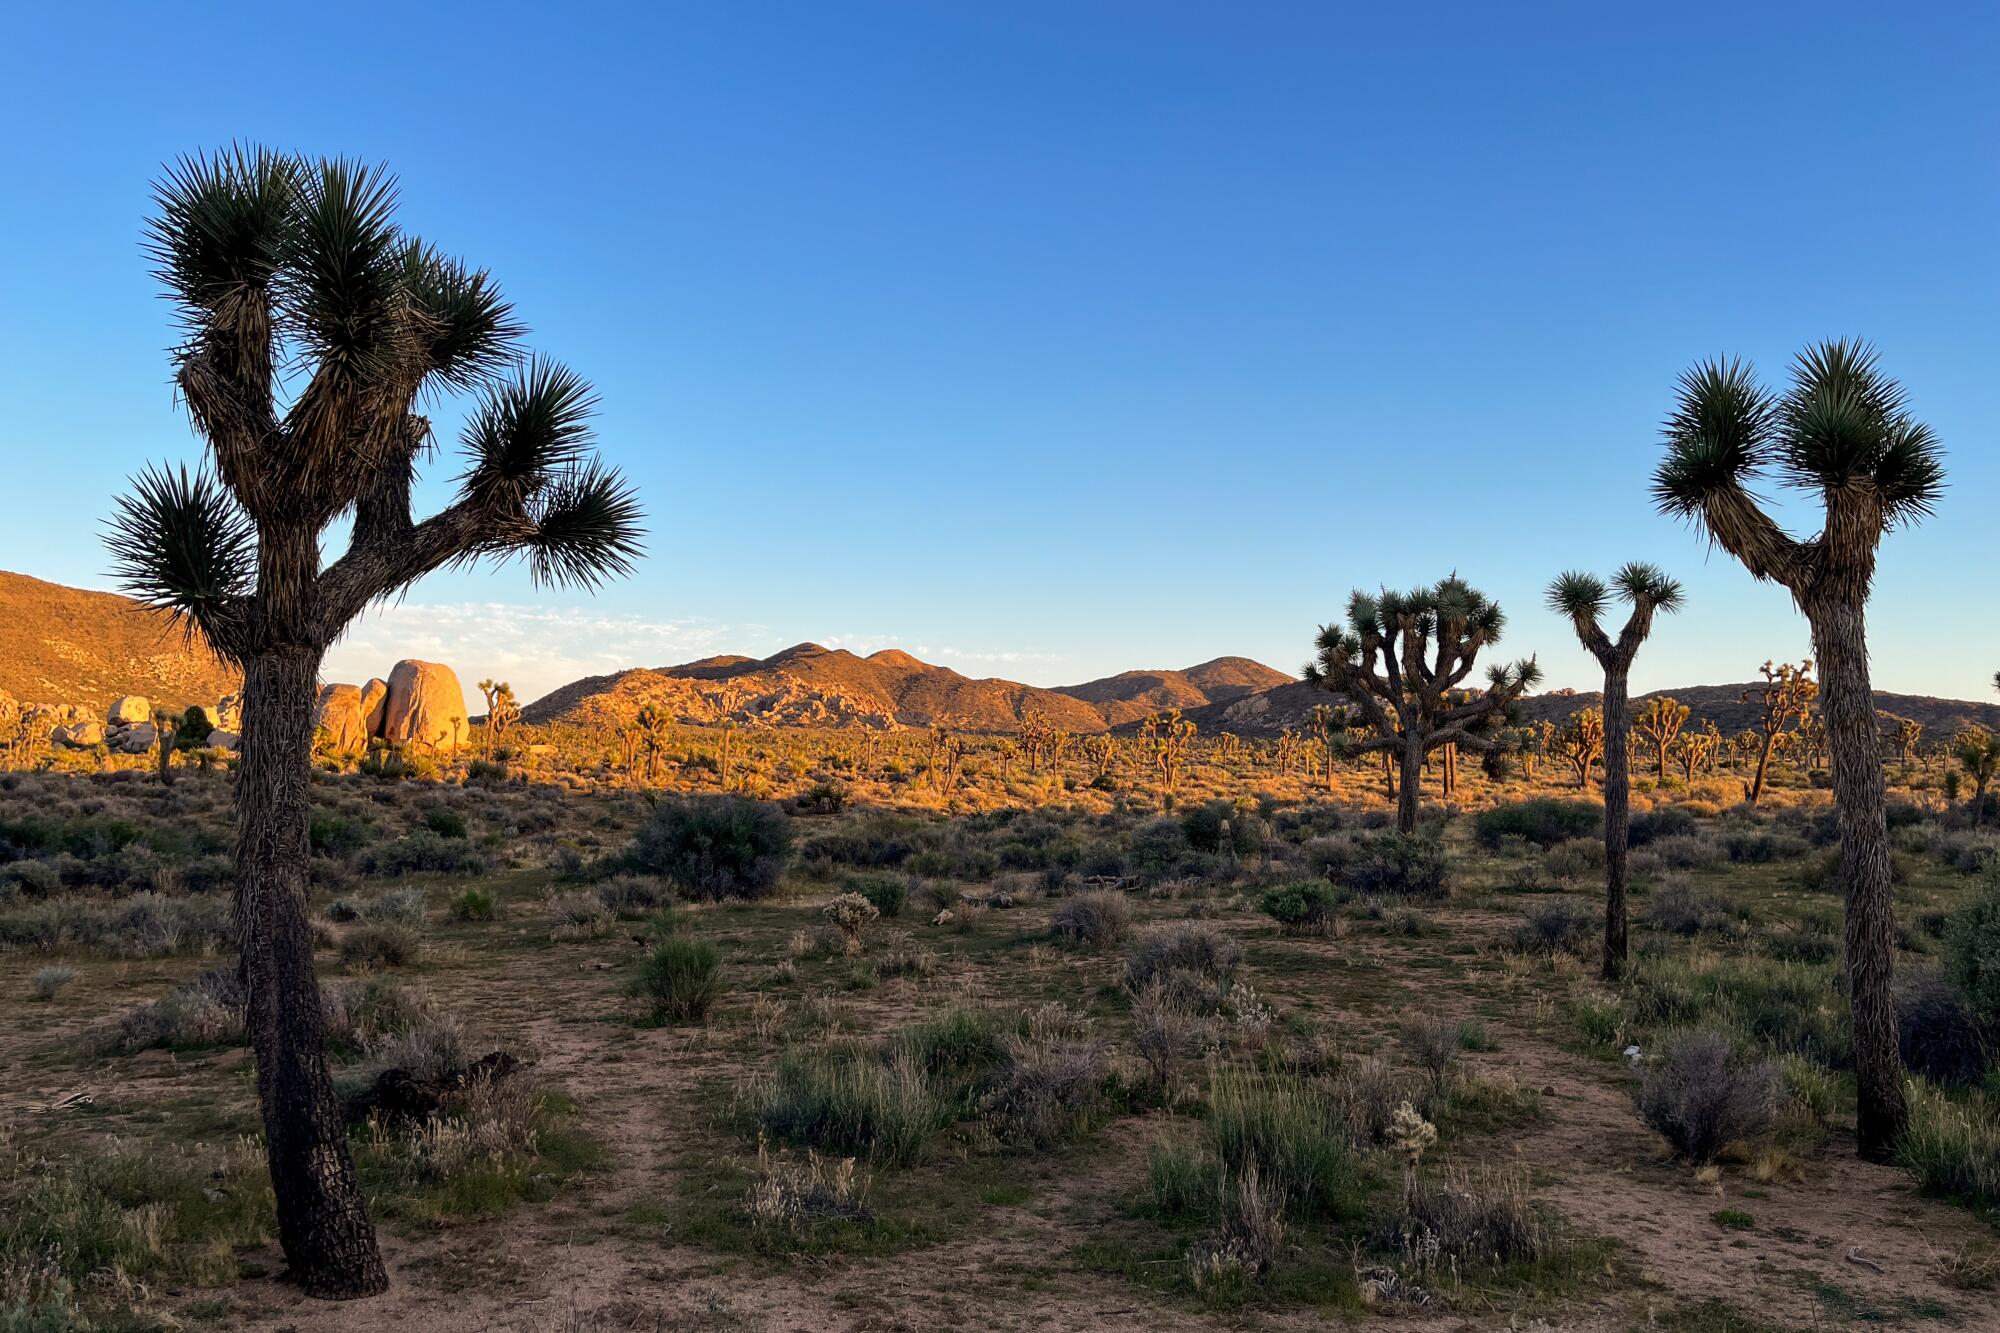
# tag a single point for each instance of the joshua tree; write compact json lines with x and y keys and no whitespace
{"x":163,"y":738}
{"x":1167,"y":734}
{"x":1038,"y":738}
{"x":1100,"y":750}
{"x":314,"y":328}
{"x":1842,"y":432}
{"x":1579,"y":742}
{"x":1399,"y":657}
{"x":1697,"y":749}
{"x":652,"y":726}
{"x":1659,"y":722}
{"x":1978,"y":753}
{"x":1812,"y":737}
{"x":1909,"y":732}
{"x":1784,"y":701}
{"x":502,"y":712}
{"x":1581,"y":597}
{"x":1329,"y":728}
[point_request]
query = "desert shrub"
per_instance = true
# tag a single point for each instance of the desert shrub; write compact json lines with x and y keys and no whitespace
{"x":1690,"y":851}
{"x":444,"y":821}
{"x":1576,"y":859}
{"x":423,"y":852}
{"x":48,"y":982}
{"x":1969,"y":851}
{"x":1556,"y":927}
{"x":873,"y":843}
{"x":1185,"y":948}
{"x":1203,"y":827}
{"x":1098,"y":919}
{"x":1433,"y":1044}
{"x":1182,"y":1180}
{"x":485,"y":773}
{"x":473,"y":905}
{"x":888,"y":893}
{"x":1160,"y":850}
{"x":1250,"y":1239}
{"x":1465,"y":1222}
{"x":850,"y":1102}
{"x":961,"y":1049}
{"x":1544,"y":821}
{"x":436,"y":1048}
{"x":1393,"y":865}
{"x":1761,"y":847}
{"x":1701,"y":1096}
{"x":145,"y":925}
{"x":1169,"y":1034}
{"x":1302,"y":906}
{"x":360,"y":1013}
{"x":337,"y":836}
{"x":1667,"y":821}
{"x":1972,"y":953}
{"x":1953,"y":1147}
{"x":382,"y":944}
{"x":206,"y":1010}
{"x":395,"y":905}
{"x":1053,"y":1079}
{"x":1678,"y":909}
{"x":1937,"y":1031}
{"x":715,"y":846}
{"x":823,"y":798}
{"x":682,"y":977}
{"x":1287,"y":1130}
{"x":578,"y":914}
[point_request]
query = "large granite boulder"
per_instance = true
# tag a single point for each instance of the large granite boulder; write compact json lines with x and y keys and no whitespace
{"x":338,"y":720}
{"x":425,"y":707}
{"x":129,"y":711}
{"x":228,"y":712}
{"x":374,"y":705}
{"x":219,"y":739}
{"x":84,"y":734}
{"x":135,"y":739}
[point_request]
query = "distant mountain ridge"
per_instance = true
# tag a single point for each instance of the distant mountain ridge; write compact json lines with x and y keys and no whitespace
{"x":1271,"y":711}
{"x":61,"y":645}
{"x":810,"y":685}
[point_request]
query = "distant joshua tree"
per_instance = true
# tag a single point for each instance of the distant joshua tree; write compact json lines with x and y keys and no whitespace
{"x":1843,"y":432}
{"x":1581,"y":597}
{"x":1398,"y":658}
{"x":502,"y":712}
{"x":315,"y":329}
{"x":1909,"y":732}
{"x":1329,"y":728}
{"x":1658,"y":723}
{"x":1101,"y":751}
{"x":1784,"y":701}
{"x":1579,"y":742}
{"x":1038,"y":739}
{"x":1978,"y":753}
{"x":1167,"y":734}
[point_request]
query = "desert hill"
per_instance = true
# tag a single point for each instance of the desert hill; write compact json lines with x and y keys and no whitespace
{"x":808,"y":685}
{"x":65,"y":645}
{"x":1131,"y":695}
{"x":1271,"y":711}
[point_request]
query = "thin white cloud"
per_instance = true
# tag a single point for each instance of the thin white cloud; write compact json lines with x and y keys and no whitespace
{"x":535,"y":648}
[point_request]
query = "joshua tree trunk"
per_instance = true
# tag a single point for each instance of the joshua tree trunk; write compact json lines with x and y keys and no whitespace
{"x":1409,"y":791}
{"x":1763,"y":765}
{"x":322,"y":1219}
{"x":1617,"y":820}
{"x":1847,"y":703}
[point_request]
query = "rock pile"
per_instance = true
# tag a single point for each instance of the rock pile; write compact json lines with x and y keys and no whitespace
{"x":421,"y":704}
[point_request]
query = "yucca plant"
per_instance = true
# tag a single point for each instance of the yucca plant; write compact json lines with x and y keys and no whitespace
{"x":1842,"y":431}
{"x":1581,"y":597}
{"x":315,"y":329}
{"x":1402,"y":659}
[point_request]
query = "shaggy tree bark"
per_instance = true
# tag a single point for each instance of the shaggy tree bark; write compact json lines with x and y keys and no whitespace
{"x":1847,"y":701}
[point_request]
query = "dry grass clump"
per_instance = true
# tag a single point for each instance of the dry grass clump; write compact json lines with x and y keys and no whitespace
{"x":1194,"y":959}
{"x":48,"y":982}
{"x":1097,"y":919}
{"x":1052,"y":1081}
{"x":797,"y":1196}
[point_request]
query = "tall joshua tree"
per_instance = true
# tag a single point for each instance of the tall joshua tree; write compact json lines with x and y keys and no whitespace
{"x":1400,"y":657}
{"x":315,"y":329}
{"x":1581,"y":597}
{"x":1842,"y":431}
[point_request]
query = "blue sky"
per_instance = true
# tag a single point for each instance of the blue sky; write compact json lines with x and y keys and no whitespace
{"x":1051,"y":339}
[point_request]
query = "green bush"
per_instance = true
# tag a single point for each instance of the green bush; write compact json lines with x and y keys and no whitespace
{"x":852,"y":1102}
{"x":1972,"y":953}
{"x":1202,"y":826}
{"x":1305,"y":905}
{"x":445,"y":822}
{"x":715,"y":846}
{"x":1291,"y":1133}
{"x":1544,"y":821}
{"x":683,"y":978}
{"x":473,"y":905}
{"x":1953,"y":1147}
{"x":1403,"y":865}
{"x":888,"y":893}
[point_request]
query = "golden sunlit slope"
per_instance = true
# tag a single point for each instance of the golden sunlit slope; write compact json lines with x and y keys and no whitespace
{"x":65,"y":645}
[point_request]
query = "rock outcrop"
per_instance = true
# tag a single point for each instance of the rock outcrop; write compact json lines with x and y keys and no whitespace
{"x":425,"y":707}
{"x":340,"y":726}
